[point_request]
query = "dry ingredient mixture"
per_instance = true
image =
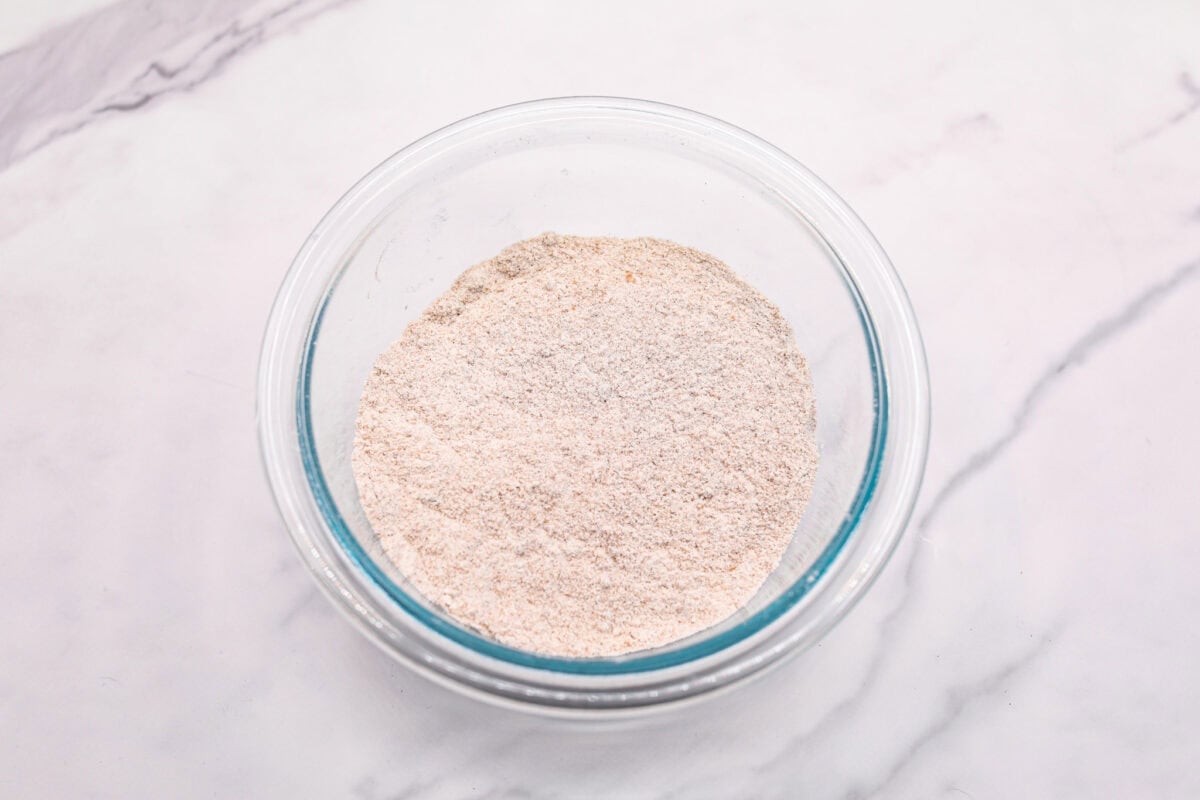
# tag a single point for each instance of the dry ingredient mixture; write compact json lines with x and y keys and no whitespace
{"x":589,"y":446}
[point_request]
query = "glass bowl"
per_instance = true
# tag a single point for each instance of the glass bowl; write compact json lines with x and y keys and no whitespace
{"x":598,"y":167}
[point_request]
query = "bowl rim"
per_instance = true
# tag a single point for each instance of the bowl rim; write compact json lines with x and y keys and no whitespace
{"x":340,"y":570}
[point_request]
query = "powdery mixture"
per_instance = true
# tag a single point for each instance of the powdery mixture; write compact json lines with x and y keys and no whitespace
{"x":589,"y":446}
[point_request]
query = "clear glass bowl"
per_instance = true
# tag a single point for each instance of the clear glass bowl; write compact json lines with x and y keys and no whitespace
{"x":601,"y":167}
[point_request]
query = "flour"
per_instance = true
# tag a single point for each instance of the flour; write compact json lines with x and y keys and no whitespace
{"x":589,"y":446}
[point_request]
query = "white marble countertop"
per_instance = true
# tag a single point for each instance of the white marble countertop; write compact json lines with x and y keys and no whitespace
{"x":1033,"y":169}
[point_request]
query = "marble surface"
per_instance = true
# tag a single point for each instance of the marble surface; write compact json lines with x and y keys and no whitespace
{"x":1033,"y":168}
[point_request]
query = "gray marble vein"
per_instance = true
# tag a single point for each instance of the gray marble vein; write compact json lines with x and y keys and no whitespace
{"x":117,"y":60}
{"x":962,"y":134}
{"x":1191,"y":90}
{"x":959,"y":701}
{"x":975,"y":464}
{"x":1076,"y":355}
